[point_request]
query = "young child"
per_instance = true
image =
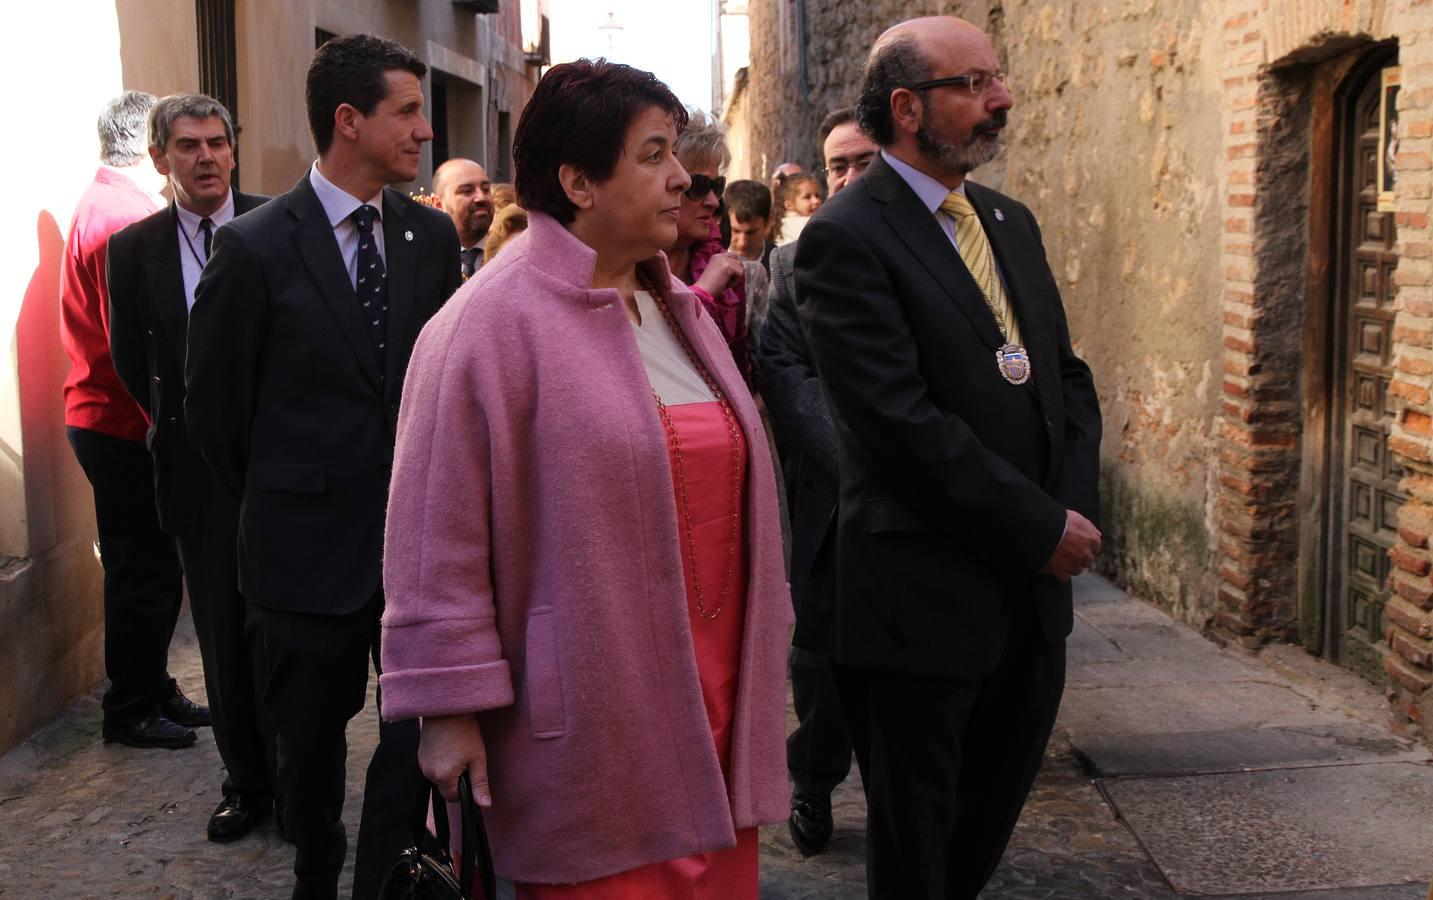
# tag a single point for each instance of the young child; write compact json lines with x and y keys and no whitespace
{"x":800,"y":197}
{"x":748,"y":208}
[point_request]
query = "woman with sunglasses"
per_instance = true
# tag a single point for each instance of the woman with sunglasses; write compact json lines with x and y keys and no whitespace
{"x":732,"y":289}
{"x":586,"y":598}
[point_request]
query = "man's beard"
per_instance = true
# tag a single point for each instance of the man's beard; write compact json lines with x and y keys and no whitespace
{"x":479,"y":222}
{"x":982,"y":146}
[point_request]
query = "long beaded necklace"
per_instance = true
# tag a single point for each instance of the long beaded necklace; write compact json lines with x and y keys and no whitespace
{"x":680,"y":465}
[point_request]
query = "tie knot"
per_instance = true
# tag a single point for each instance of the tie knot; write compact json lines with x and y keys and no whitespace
{"x":957,"y":204}
{"x":363,"y":217}
{"x":206,"y":225}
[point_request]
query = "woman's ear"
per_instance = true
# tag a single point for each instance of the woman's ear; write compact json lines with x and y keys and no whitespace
{"x":576,"y":185}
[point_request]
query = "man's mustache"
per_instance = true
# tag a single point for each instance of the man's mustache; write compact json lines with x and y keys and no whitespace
{"x":996,"y":120}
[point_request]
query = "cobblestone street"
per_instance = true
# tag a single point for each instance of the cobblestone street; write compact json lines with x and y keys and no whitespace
{"x":80,"y":819}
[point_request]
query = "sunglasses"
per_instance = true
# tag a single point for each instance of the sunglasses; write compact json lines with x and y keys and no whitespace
{"x":705,"y":184}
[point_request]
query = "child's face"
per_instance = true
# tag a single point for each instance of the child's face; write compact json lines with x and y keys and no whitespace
{"x":748,"y":236}
{"x":807,"y":199}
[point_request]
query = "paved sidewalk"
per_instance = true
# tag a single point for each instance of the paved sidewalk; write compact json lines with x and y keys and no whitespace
{"x":1178,"y":769}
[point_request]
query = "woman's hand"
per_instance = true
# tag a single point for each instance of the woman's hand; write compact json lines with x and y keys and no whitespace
{"x":450,"y":744}
{"x":721,"y":269}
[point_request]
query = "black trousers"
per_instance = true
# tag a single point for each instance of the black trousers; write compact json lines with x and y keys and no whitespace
{"x":315,"y":680}
{"x":948,"y":762}
{"x":242,"y":729}
{"x":818,"y":752}
{"x":143,"y":587}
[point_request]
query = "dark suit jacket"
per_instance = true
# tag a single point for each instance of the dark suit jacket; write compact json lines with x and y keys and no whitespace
{"x":148,"y":321}
{"x":954,"y":482}
{"x":285,"y":397}
{"x":805,"y":434}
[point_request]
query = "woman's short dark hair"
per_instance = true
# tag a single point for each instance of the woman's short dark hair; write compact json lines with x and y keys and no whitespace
{"x":894,"y":64}
{"x":352,"y":69}
{"x":578,"y":116}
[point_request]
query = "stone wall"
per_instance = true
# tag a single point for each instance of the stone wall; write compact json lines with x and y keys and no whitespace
{"x":1170,"y":149}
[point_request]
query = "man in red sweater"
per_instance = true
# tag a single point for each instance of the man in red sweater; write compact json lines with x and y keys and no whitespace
{"x":142,"y":585}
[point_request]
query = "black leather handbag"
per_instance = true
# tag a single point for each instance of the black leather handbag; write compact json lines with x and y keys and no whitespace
{"x":425,"y":870}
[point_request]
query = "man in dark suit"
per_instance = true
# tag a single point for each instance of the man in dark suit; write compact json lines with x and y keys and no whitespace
{"x":154,"y":267}
{"x":143,"y":590}
{"x":818,"y":752}
{"x":298,"y":341}
{"x":969,"y":435}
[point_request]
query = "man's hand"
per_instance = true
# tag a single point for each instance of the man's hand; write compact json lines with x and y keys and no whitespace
{"x":720,"y":270}
{"x":1077,"y":549}
{"x":449,"y":745}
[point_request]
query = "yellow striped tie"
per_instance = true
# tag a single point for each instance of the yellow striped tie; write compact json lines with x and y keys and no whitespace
{"x":980,"y":260}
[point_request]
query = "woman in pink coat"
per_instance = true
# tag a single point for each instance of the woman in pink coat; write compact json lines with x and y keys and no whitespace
{"x":585,"y":593}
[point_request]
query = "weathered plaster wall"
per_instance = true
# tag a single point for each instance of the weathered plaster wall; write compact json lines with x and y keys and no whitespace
{"x":1115,"y":145}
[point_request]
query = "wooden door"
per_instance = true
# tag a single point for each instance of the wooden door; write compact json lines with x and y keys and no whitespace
{"x":1364,"y":472}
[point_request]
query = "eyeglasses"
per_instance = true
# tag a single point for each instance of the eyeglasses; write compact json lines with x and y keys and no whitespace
{"x":976,"y":83}
{"x":839,"y":169}
{"x":705,"y":184}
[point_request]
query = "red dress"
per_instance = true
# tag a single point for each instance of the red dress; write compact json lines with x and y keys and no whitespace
{"x":706,"y":462}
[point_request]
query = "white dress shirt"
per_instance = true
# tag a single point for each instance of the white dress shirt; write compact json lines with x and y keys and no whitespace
{"x":191,"y":242}
{"x":339,"y":205}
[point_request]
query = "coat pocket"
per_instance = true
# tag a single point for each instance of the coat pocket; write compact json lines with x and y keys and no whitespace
{"x":546,"y":713}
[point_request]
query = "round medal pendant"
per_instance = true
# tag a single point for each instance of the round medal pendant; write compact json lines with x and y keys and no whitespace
{"x":1014,"y":363}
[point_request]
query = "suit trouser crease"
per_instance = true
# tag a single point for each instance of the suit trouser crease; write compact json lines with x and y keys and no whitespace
{"x":143,"y":587}
{"x":232,"y":669}
{"x":818,"y":751}
{"x":947,"y":763}
{"x":316,"y":681}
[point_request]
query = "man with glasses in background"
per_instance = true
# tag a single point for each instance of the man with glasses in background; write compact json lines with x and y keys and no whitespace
{"x":818,"y":752}
{"x":969,"y":440}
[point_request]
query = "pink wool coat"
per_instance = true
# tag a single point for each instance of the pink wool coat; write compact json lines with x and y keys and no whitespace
{"x":533,"y":574}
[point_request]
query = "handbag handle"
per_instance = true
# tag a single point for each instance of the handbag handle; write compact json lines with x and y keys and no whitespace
{"x":477,"y":855}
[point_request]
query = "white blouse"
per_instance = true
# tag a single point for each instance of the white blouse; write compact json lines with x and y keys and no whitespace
{"x":669,"y":371}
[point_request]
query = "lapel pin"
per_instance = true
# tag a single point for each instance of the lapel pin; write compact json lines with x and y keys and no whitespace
{"x":999,"y":216}
{"x":407,"y":235}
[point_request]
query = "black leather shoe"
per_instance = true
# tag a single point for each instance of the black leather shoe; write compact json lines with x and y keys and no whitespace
{"x":156,"y":731}
{"x":810,"y":822}
{"x":236,"y":815}
{"x":180,"y":710}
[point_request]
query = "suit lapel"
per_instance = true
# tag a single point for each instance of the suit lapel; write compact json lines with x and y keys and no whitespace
{"x":401,"y":253}
{"x":918,"y":228}
{"x":1016,"y":267}
{"x":318,"y":248}
{"x":164,"y":271}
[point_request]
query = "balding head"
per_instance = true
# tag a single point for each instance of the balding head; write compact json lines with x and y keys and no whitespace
{"x":463,"y":188}
{"x":951,"y":126}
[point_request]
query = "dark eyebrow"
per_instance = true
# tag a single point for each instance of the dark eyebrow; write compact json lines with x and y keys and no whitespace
{"x":658,"y":139}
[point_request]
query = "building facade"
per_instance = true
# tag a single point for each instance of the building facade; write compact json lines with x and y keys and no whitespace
{"x":253,"y":55}
{"x":1235,"y":199}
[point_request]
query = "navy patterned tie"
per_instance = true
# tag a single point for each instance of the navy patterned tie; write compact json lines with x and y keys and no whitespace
{"x":372,"y":284}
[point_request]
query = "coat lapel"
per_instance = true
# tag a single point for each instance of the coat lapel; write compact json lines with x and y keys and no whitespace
{"x":165,"y":274}
{"x":401,"y":252}
{"x":918,"y":228}
{"x":318,"y":248}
